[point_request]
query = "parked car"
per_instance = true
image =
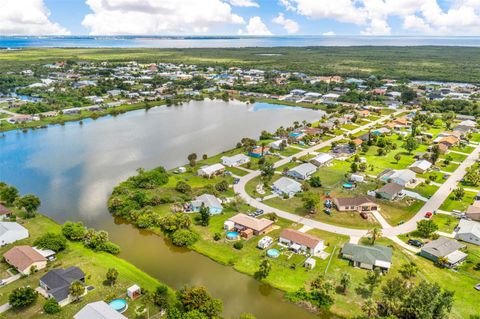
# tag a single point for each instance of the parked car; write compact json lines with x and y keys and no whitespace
{"x":364,"y":215}
{"x":236,"y":180}
{"x":2,"y":282}
{"x":415,"y":243}
{"x":428,"y":214}
{"x":477,"y":287}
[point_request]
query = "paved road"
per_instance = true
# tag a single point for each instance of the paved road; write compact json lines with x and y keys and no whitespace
{"x":240,"y":188}
{"x":388,"y":231}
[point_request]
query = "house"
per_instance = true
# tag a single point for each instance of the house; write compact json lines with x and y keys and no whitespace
{"x":301,"y":242}
{"x":368,"y":257}
{"x":277,"y":145}
{"x":473,"y":211}
{"x":344,"y":150}
{"x":23,"y":258}
{"x":468,"y":231}
{"x":321,"y":159}
{"x":248,"y":226}
{"x":449,"y":141}
{"x":444,"y":248}
{"x":57,"y":282}
{"x":10,"y":232}
{"x":211,"y":170}
{"x":4,"y":212}
{"x":259,"y":151}
{"x":235,"y":160}
{"x":309,"y":263}
{"x":209,"y":201}
{"x":359,"y":204}
{"x":357,"y":178}
{"x":302,"y":171}
{"x":389,"y":191}
{"x":420,"y":166}
{"x":285,"y":186}
{"x":98,"y":310}
{"x":265,"y":242}
{"x":402,"y":177}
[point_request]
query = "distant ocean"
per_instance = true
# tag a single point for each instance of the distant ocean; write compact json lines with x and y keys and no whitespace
{"x":230,"y":41}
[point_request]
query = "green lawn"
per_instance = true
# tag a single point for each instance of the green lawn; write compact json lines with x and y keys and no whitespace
{"x":425,"y":189}
{"x":450,"y":168}
{"x":455,"y":157}
{"x":464,"y":149}
{"x":397,"y":212}
{"x":95,"y":266}
{"x":446,"y":223}
{"x":451,"y":204}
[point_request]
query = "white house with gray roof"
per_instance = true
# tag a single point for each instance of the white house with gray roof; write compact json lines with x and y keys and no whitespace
{"x":286,"y":186}
{"x":444,"y":248}
{"x":302,"y":171}
{"x":402,"y":177}
{"x":235,"y":160}
{"x":368,"y":257}
{"x":468,"y":231}
{"x":321,"y":159}
{"x":209,"y":201}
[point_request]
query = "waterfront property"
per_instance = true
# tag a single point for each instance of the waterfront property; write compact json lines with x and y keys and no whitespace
{"x":248,"y":226}
{"x":445,"y":251}
{"x":368,"y":257}
{"x":210,"y":171}
{"x":259,"y":151}
{"x":98,"y":310}
{"x":56,"y":283}
{"x":235,"y":160}
{"x":301,"y":242}
{"x":211,"y":202}
{"x":25,"y":259}
{"x":10,"y":232}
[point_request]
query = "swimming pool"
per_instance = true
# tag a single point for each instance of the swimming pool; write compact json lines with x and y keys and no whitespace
{"x":119,"y":305}
{"x":232,"y":235}
{"x":273,"y":253}
{"x":347,"y":185}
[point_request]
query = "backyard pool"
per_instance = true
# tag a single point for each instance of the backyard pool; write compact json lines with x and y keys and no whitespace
{"x":119,"y":305}
{"x":273,"y":253}
{"x":347,"y":186}
{"x":232,"y":235}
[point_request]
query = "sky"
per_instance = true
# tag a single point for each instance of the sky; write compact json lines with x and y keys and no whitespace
{"x":240,"y":17}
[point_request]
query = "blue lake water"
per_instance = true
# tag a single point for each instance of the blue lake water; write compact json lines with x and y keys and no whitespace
{"x":231,"y":41}
{"x":73,"y":168}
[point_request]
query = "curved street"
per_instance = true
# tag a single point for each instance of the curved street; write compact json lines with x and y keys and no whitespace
{"x":387,"y":231}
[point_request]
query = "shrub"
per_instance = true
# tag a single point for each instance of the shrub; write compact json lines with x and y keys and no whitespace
{"x":22,"y":297}
{"x":183,"y":187}
{"x":55,"y":242}
{"x":51,"y":306}
{"x":238,"y":245}
{"x":222,"y":186}
{"x":217,"y":236}
{"x":184,"y":237}
{"x":74,"y":231}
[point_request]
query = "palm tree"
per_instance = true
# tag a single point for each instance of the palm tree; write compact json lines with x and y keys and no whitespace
{"x":375,"y":233}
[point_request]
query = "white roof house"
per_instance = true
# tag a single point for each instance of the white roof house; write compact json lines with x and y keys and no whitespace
{"x":468,"y":123}
{"x":10,"y":232}
{"x":321,"y":159}
{"x":276,"y":144}
{"x":235,"y":160}
{"x":98,"y":310}
{"x":468,"y":231}
{"x":420,"y":166}
{"x":302,"y":171}
{"x":286,"y":186}
{"x":211,"y":170}
{"x":402,"y":176}
{"x":209,"y":201}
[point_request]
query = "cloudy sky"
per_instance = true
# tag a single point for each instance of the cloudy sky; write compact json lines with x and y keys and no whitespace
{"x":244,"y":17}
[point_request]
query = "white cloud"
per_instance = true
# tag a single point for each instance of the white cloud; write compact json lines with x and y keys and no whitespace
{"x":244,"y":3}
{"x":27,"y":17}
{"x":255,"y":26}
{"x":462,"y":17}
{"x":329,"y":33}
{"x":289,"y":25}
{"x":113,"y":17}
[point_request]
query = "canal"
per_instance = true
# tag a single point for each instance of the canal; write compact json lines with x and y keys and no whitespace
{"x":74,"y":167}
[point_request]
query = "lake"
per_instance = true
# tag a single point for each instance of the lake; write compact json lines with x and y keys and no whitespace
{"x":73,"y":168}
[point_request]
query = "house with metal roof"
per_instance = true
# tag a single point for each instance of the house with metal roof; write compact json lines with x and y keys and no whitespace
{"x":98,"y":310}
{"x":402,"y":177}
{"x":302,"y":171}
{"x":285,"y":186}
{"x":209,"y":201}
{"x":235,"y":160}
{"x":420,"y":166}
{"x":321,"y":159}
{"x":468,"y":231}
{"x":211,"y":170}
{"x":444,"y":248}
{"x":10,"y":232}
{"x":368,"y":257}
